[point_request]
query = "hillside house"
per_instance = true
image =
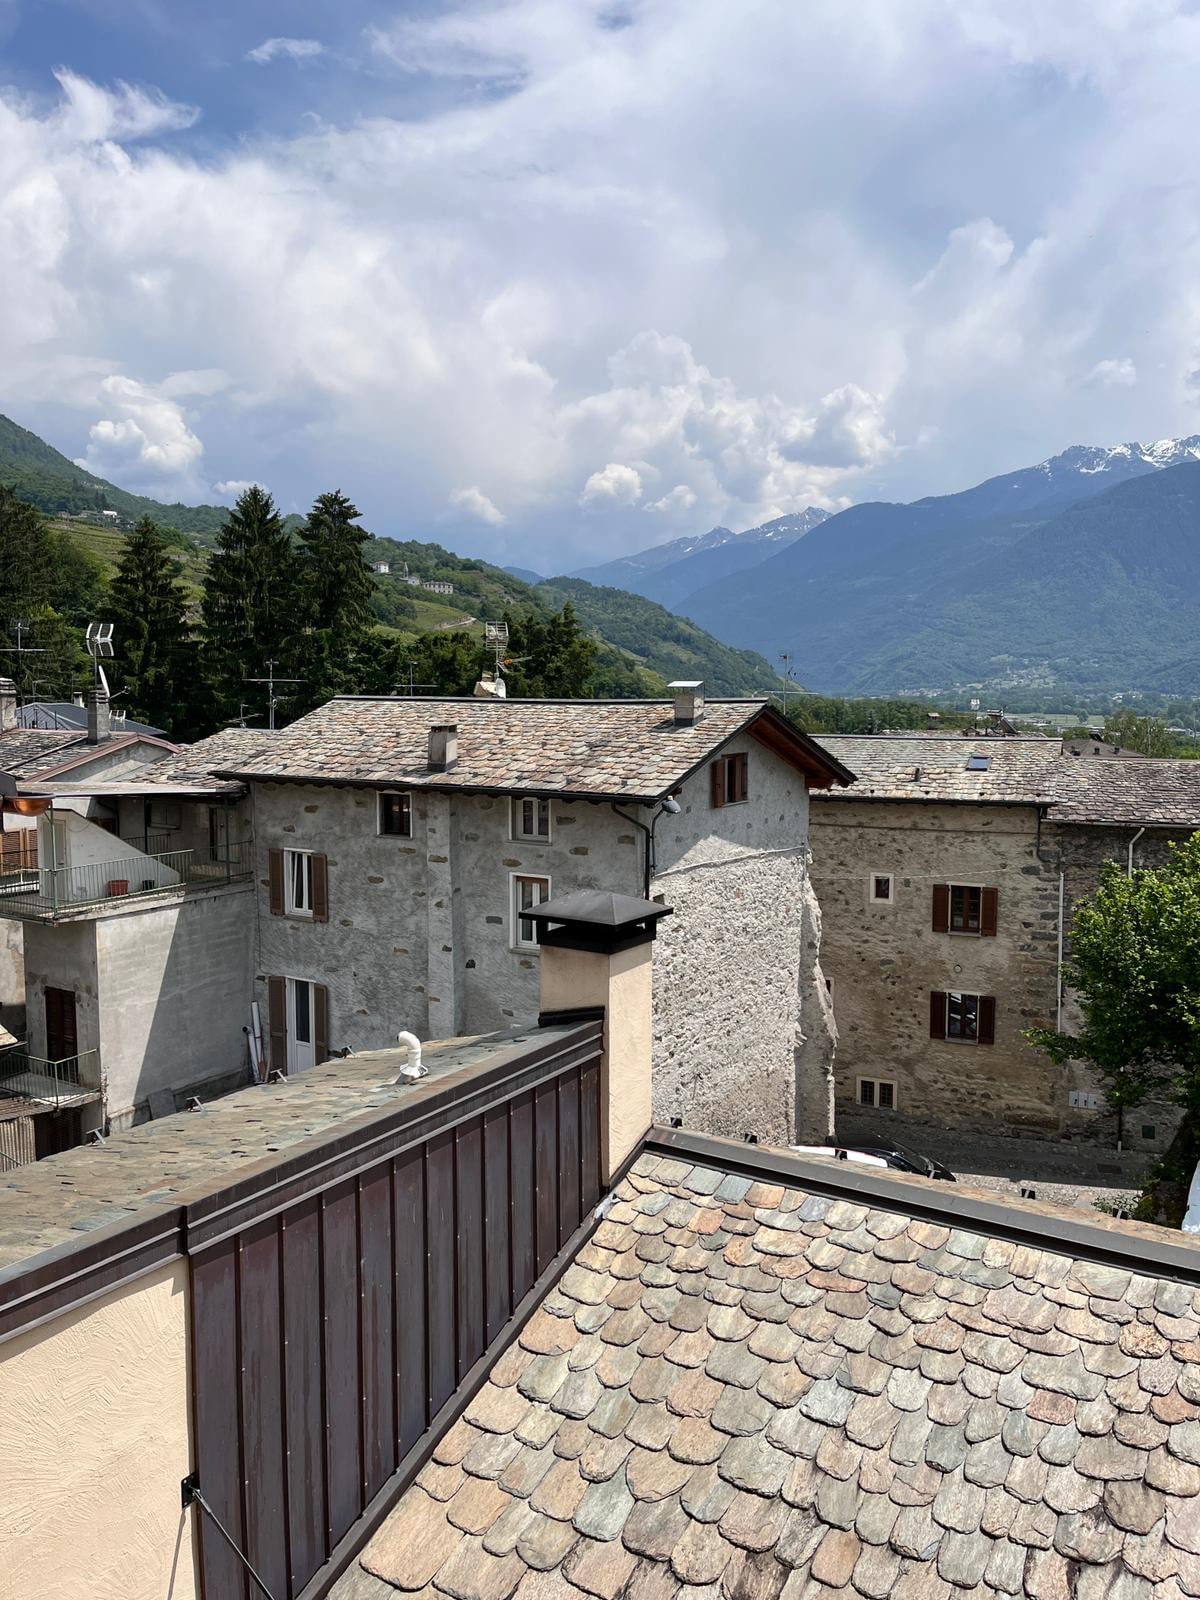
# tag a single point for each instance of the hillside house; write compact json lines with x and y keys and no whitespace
{"x":948,"y":876}
{"x":344,"y":1332}
{"x":402,"y":844}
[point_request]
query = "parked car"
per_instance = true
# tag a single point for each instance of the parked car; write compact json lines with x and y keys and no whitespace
{"x":875,"y":1152}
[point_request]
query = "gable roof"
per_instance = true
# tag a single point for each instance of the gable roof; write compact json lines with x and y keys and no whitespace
{"x":66,"y":715}
{"x":1138,"y":792}
{"x":45,"y":752}
{"x":591,"y":749}
{"x":921,"y":767}
{"x":757,"y":1385}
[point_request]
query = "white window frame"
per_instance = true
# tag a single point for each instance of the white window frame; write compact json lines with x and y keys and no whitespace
{"x":888,"y":899}
{"x":516,"y":818}
{"x":292,"y":905}
{"x":876,"y":1084}
{"x":294,"y":1044}
{"x":381,"y":794}
{"x":515,"y":913}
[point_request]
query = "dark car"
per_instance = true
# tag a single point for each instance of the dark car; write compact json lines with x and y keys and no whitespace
{"x":875,"y":1152}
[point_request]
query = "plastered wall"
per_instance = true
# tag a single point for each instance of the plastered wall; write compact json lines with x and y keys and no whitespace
{"x":94,"y":1440}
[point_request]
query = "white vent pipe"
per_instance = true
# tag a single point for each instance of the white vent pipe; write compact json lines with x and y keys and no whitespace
{"x":414,"y":1068}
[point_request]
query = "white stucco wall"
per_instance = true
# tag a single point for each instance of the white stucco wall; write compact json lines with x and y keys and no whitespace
{"x":12,"y":973}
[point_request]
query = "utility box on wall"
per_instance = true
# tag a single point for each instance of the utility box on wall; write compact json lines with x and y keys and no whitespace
{"x":1083,"y":1100}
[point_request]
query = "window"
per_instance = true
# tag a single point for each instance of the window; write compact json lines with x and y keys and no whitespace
{"x":978,"y":763}
{"x":881,"y":887}
{"x":526,"y":893}
{"x":730,"y":780}
{"x":965,"y":908}
{"x":297,"y":883}
{"x":395,"y":814}
{"x":877,"y":1092}
{"x":961,"y":1017}
{"x":531,"y":818}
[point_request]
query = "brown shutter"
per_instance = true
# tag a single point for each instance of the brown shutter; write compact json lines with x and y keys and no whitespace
{"x":741,"y":776}
{"x":937,"y":1014}
{"x":275,"y":879}
{"x":320,"y":869}
{"x":987,"y":1019}
{"x":717,"y":775}
{"x":277,"y":1022}
{"x":321,"y":1022}
{"x":941,"y":909}
{"x":988,"y":906}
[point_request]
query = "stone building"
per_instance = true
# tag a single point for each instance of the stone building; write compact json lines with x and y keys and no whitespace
{"x":402,"y":841}
{"x":948,"y":876}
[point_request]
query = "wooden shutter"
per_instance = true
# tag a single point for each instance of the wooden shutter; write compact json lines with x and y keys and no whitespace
{"x":320,"y":1022}
{"x":987,"y":1019}
{"x":988,"y":906}
{"x":741,"y":785}
{"x":277,"y":1022}
{"x":941,"y":909}
{"x":320,"y":871}
{"x":717,"y":775}
{"x":275,"y":879}
{"x":937,"y":1014}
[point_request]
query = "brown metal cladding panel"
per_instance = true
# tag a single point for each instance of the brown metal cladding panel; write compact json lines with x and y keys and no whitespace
{"x":440,"y":1268}
{"x":408,"y":1193}
{"x":263,"y":1447}
{"x":304,"y":1417}
{"x":498,"y":1300}
{"x":339,"y":1229}
{"x":568,"y":1156}
{"x":523,"y":1184}
{"x":215,"y":1380}
{"x":589,"y":1133}
{"x":545,"y":1161}
{"x":378,"y":1395}
{"x":468,"y":1199}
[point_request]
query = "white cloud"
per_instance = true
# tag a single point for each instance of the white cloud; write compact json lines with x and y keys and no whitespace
{"x":475,"y":504}
{"x":231,"y":488}
{"x":680,"y":499}
{"x":145,"y":437}
{"x":291,"y":49}
{"x":1114,"y":373}
{"x":614,"y":484}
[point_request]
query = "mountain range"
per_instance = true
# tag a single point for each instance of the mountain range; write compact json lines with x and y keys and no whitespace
{"x":1082,"y":572}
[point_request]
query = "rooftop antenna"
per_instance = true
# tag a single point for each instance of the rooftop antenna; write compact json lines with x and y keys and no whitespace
{"x":99,"y":646}
{"x":20,"y":627}
{"x":272,"y":698}
{"x":495,"y":639}
{"x":412,"y":684}
{"x":241,"y":720}
{"x":790,"y":685}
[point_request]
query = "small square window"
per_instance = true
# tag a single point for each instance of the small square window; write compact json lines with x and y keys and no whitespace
{"x":978,"y":763}
{"x":527,"y":892}
{"x":395,"y":814}
{"x":881,"y":888}
{"x":877,"y":1092}
{"x":531,"y":818}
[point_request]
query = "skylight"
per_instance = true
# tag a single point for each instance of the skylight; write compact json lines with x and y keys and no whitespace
{"x":978,"y":763}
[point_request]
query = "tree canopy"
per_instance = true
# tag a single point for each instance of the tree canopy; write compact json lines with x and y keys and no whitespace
{"x":156,"y":651}
{"x":249,"y":604}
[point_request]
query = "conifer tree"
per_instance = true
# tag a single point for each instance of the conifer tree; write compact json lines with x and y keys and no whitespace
{"x":30,"y":571}
{"x":336,"y":587}
{"x":156,"y":655}
{"x":249,"y":605}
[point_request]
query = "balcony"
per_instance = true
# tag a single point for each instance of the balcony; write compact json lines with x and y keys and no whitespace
{"x":70,"y":1082}
{"x":48,"y":894}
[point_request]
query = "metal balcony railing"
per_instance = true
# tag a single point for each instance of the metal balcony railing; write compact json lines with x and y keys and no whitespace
{"x":26,"y":1077}
{"x":51,"y":892}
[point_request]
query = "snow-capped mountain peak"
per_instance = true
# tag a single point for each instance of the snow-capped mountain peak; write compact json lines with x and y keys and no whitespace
{"x":1089,"y":459}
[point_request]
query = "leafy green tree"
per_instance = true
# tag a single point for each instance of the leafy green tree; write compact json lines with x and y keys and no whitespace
{"x":1149,"y":736}
{"x":551,"y":656}
{"x":31,"y":573}
{"x":156,"y":653}
{"x":1135,"y":965}
{"x":249,"y":603}
{"x":335,"y":590}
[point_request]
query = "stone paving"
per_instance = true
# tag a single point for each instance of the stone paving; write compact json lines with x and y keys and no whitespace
{"x":740,"y":1391}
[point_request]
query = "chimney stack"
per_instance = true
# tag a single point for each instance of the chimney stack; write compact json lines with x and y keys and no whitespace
{"x":99,"y":727}
{"x":78,"y":700}
{"x":596,"y":954}
{"x":8,"y":705}
{"x":443,"y":746}
{"x":689,"y":701}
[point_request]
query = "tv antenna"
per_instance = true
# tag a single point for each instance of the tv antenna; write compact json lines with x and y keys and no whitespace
{"x":790,"y":685}
{"x":20,"y":627}
{"x":495,"y":639}
{"x":99,"y":646}
{"x":412,"y":684}
{"x":241,"y":720}
{"x":272,"y":698}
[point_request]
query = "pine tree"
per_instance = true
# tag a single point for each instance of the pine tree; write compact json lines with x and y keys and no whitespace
{"x":249,"y":605}
{"x":336,"y":588}
{"x":156,"y":655}
{"x":30,"y":573}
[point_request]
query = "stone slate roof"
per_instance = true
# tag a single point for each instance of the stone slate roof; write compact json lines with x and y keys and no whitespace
{"x":1133,"y":793}
{"x":197,"y":763}
{"x":29,"y":749}
{"x":619,"y":749}
{"x":1020,"y":771}
{"x":740,"y":1390}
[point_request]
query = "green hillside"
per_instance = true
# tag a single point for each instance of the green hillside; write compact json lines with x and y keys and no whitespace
{"x":657,"y":639}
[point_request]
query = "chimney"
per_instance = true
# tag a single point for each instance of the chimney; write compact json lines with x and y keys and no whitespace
{"x":443,"y":746}
{"x":8,"y":705}
{"x":99,"y":717}
{"x":78,"y":700}
{"x":596,"y":951}
{"x":689,"y":701}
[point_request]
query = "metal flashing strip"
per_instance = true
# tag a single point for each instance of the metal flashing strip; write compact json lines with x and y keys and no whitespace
{"x":1110,"y":1244}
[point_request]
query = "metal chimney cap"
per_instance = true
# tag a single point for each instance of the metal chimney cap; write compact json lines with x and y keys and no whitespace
{"x":596,"y":919}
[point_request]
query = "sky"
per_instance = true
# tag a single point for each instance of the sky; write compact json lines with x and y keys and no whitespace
{"x":550,"y":281}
